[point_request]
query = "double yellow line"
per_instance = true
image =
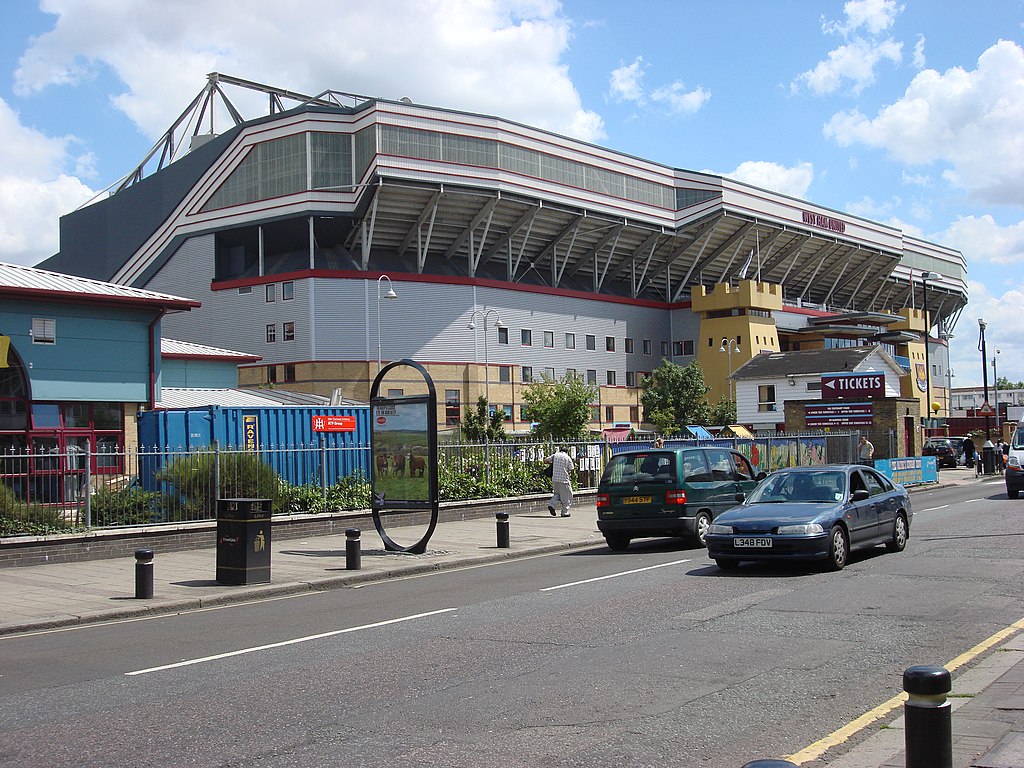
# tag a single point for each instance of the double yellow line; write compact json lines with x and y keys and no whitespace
{"x":821,"y":746}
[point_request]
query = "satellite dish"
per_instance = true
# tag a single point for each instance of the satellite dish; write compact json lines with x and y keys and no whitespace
{"x":405,"y":100}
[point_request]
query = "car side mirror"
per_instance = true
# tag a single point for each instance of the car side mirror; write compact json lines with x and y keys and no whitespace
{"x":860,"y":495}
{"x":760,"y":476}
{"x":740,"y":497}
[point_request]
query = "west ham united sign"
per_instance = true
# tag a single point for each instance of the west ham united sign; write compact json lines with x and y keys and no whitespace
{"x":852,"y":386}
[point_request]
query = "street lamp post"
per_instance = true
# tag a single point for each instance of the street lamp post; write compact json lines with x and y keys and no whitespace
{"x":984,"y":369}
{"x":389,"y":295}
{"x":484,"y":314}
{"x":925,"y":276}
{"x":995,"y":395}
{"x":729,"y":346}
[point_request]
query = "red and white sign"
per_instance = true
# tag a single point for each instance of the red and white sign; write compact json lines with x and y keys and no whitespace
{"x":847,"y":386}
{"x":334,"y":423}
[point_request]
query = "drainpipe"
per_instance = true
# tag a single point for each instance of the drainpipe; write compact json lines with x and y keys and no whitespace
{"x":154,"y":353}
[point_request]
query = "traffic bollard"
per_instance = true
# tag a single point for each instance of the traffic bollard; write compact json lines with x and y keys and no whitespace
{"x":502,"y":529}
{"x":143,"y":574}
{"x":928,"y":729}
{"x":353,"y":556}
{"x":770,"y":764}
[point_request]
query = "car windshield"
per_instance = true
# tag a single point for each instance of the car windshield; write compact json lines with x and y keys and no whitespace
{"x":803,"y":486}
{"x":640,"y":467}
{"x":1018,"y":439}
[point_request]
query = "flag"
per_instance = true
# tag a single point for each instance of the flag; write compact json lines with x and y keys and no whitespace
{"x":746,"y":265}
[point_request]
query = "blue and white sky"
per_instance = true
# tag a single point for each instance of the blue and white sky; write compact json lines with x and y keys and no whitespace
{"x":909,"y":112}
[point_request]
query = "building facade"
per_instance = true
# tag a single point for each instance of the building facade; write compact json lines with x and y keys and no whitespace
{"x":294,"y":228}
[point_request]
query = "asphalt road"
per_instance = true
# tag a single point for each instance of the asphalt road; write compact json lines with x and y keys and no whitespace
{"x":652,"y":657}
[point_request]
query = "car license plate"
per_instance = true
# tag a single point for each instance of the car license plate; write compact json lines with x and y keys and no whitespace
{"x":757,"y":543}
{"x":637,"y":500}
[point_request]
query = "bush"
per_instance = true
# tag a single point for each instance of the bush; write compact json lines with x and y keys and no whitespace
{"x":18,"y":518}
{"x":348,"y":493}
{"x":465,"y":478}
{"x":242,"y":476}
{"x":129,"y":506}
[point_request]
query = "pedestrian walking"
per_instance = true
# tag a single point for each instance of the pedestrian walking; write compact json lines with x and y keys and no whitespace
{"x":969,"y":451}
{"x":659,"y":443}
{"x":865,"y":452}
{"x":562,"y":467}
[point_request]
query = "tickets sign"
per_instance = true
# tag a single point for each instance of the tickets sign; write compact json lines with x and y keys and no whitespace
{"x":334,"y":423}
{"x":852,"y":386}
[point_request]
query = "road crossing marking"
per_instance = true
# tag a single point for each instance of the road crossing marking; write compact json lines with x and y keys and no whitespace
{"x":613,"y":575}
{"x":295,"y":641}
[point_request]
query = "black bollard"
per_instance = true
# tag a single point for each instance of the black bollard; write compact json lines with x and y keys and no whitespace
{"x":927,"y":715}
{"x":143,"y":574}
{"x":353,"y":556}
{"x":502,"y":529}
{"x":770,"y":764}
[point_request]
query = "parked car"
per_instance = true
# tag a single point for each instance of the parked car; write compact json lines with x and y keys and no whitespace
{"x":1015,"y":463}
{"x":944,"y":451}
{"x":669,"y":492}
{"x":813,"y":513}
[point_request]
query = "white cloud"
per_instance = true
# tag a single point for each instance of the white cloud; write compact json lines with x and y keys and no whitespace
{"x":793,"y":181}
{"x":626,"y":82}
{"x":965,"y":357}
{"x":980,"y":238}
{"x":875,"y":16}
{"x":680,"y":100}
{"x":919,"y":59}
{"x":492,"y":57}
{"x":854,"y":63}
{"x":972,"y":120}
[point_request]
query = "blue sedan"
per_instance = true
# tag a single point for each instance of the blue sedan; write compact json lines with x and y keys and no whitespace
{"x":813,"y":513}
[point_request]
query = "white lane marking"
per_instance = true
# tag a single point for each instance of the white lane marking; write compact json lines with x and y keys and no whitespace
{"x":614,"y":575}
{"x":932,"y":509}
{"x":190,"y":662}
{"x":971,"y":501}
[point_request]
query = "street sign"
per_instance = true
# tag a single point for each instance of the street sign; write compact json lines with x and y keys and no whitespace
{"x":334,"y":423}
{"x":986,"y":410}
{"x":820,"y":415}
{"x":844,"y":386}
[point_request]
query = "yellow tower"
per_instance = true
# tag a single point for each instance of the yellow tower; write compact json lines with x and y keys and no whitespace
{"x":735,"y":324}
{"x":915,"y":383}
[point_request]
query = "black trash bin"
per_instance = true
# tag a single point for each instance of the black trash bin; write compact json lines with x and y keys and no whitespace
{"x":988,"y":459}
{"x":243,"y":541}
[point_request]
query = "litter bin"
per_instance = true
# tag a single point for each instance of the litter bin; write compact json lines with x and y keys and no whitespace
{"x":243,"y":541}
{"x":988,"y":458}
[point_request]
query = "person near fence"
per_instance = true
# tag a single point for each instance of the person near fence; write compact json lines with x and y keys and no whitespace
{"x":659,"y":443}
{"x":562,"y":467}
{"x":969,"y":451}
{"x":865,"y":451}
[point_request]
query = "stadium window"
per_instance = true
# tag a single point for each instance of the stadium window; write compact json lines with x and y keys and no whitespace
{"x":647,"y":346}
{"x":289,"y":372}
{"x":505,"y":373}
{"x":630,"y":378}
{"x":591,"y":376}
{"x":271,"y":292}
{"x":272,"y":374}
{"x":609,"y":413}
{"x":629,"y":346}
{"x":677,"y":348}
{"x":609,"y":343}
{"x":549,"y":339}
{"x":549,"y":374}
{"x":288,"y":331}
{"x":570,"y":341}
{"x":271,"y":333}
{"x":595,"y":413}
{"x":287,"y":291}
{"x":664,"y":349}
{"x":526,"y":337}
{"x":591,"y":342}
{"x":503,"y":335}
{"x":526,"y":374}
{"x":452,"y":407}
{"x":610,"y":378}
{"x":634,"y":413}
{"x":688,"y":347}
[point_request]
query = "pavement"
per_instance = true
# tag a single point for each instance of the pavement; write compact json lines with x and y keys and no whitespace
{"x":987,"y":698}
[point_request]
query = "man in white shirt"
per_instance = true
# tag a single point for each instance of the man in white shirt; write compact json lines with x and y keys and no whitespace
{"x":562,"y":467}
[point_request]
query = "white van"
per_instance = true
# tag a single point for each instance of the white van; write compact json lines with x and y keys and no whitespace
{"x":1015,"y":462}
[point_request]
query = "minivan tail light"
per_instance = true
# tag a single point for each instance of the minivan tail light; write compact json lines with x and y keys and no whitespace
{"x":603,"y":500}
{"x":675,"y":497}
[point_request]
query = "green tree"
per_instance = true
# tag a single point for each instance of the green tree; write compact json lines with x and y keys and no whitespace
{"x":560,"y":408}
{"x":479,"y":426}
{"x":1004,"y":383}
{"x":724,"y":412}
{"x":675,"y":396}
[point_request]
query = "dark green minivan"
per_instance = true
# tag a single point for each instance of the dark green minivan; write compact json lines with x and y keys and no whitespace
{"x":669,"y":492}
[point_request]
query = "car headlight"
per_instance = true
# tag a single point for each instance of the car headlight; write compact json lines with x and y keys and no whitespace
{"x":716,"y":528}
{"x":1014,"y":462}
{"x":805,"y":529}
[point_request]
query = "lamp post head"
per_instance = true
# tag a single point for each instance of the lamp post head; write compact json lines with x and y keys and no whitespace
{"x":471,"y":326}
{"x":982,"y":323}
{"x":391,"y":294}
{"x":498,"y":323}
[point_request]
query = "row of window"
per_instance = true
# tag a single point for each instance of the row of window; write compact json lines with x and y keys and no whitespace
{"x":679,"y":348}
{"x":612,"y":413}
{"x":527,"y":375}
{"x":287,"y":332}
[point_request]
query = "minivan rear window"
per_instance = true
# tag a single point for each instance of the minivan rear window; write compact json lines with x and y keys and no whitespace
{"x":640,"y":467}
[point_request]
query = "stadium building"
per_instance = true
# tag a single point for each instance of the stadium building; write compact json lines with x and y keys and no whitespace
{"x":335,"y":233}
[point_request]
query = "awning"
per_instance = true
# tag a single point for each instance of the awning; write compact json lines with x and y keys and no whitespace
{"x":740,"y":431}
{"x":699,"y":432}
{"x":616,"y":435}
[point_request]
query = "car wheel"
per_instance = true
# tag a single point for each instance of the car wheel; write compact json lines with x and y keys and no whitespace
{"x":701,"y":526}
{"x":617,"y":542}
{"x":727,"y":565}
{"x":899,"y":534}
{"x":838,"y":549}
{"x":1012,"y":494}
